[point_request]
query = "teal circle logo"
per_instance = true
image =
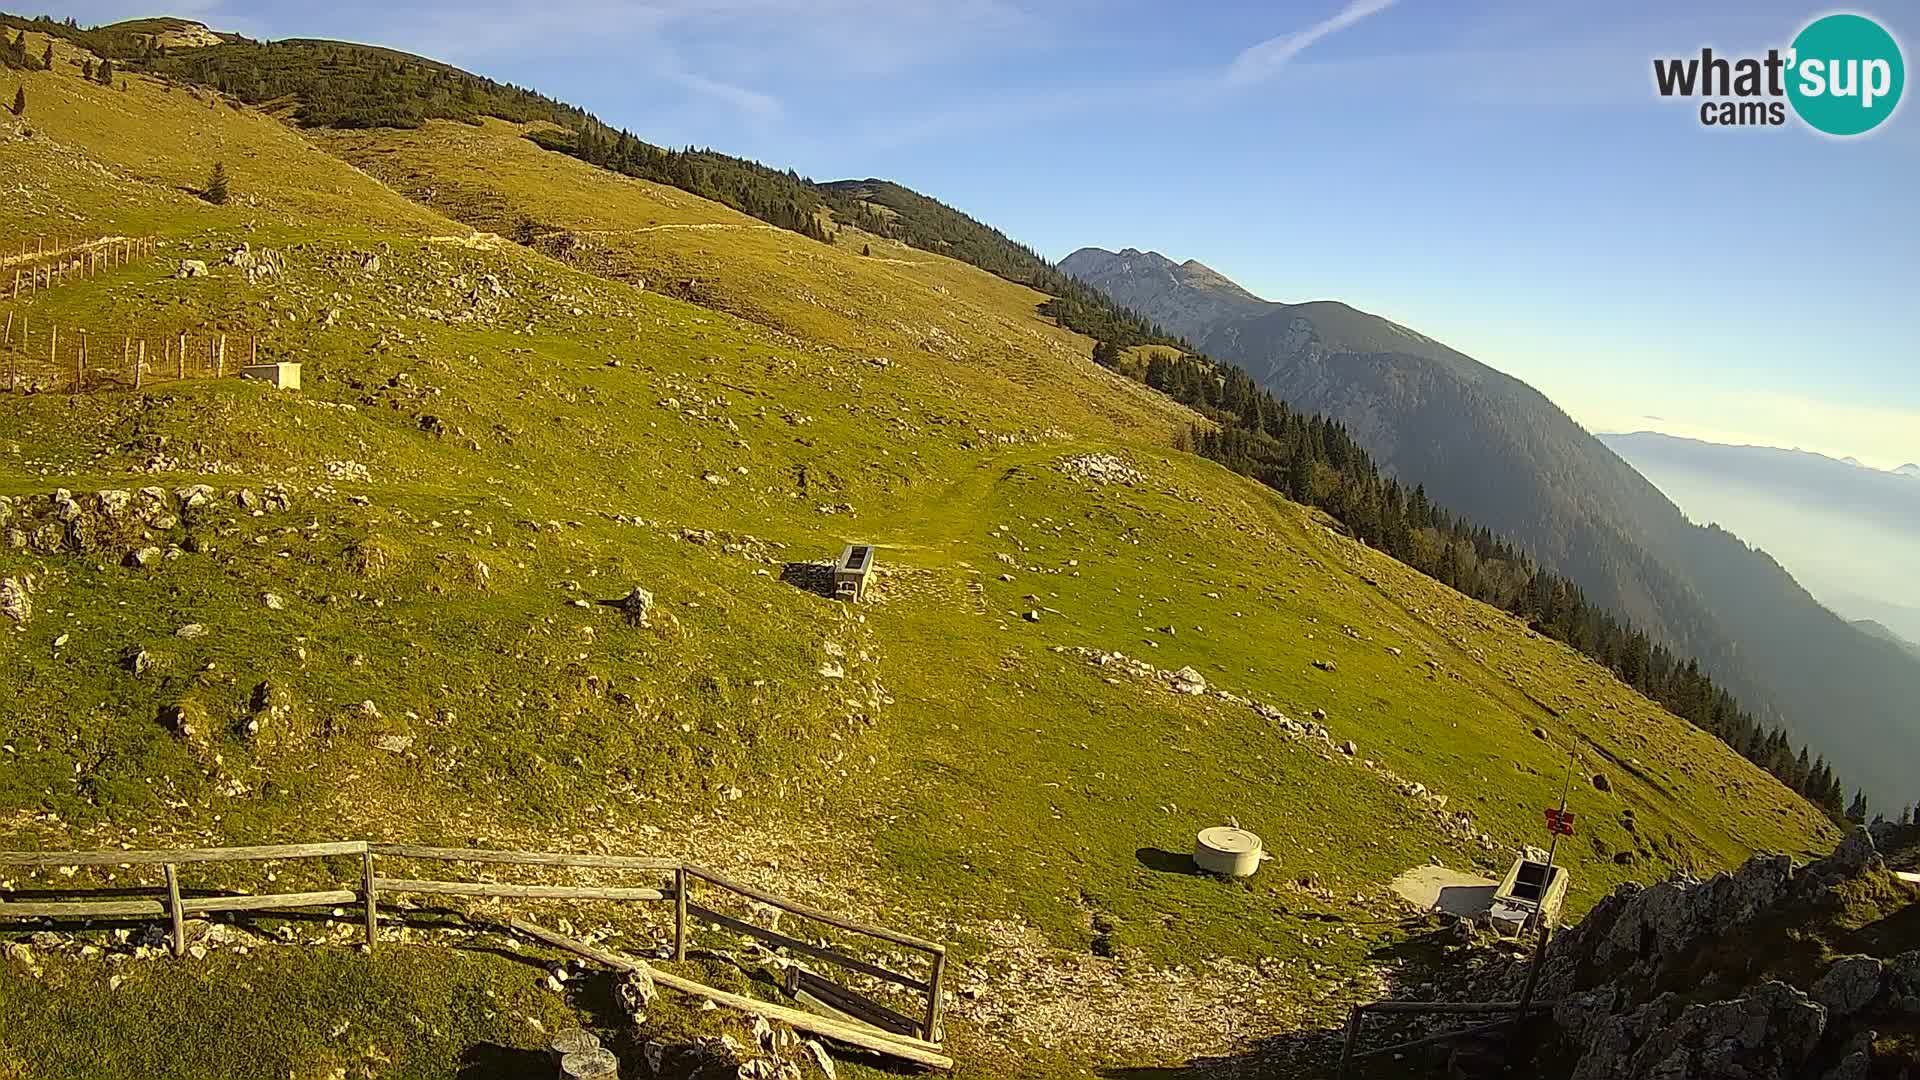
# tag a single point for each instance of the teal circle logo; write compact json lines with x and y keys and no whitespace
{"x":1845,"y":74}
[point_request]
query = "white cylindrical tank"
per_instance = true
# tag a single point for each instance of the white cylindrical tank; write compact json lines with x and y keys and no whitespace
{"x":1224,"y":849}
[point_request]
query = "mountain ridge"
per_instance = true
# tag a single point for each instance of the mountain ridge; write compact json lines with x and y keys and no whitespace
{"x":1758,"y":448}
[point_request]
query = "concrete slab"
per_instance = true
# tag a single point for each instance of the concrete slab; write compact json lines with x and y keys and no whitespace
{"x":1436,"y":888}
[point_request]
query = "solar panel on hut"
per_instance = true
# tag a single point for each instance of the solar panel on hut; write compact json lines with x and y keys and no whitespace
{"x":850,"y":572}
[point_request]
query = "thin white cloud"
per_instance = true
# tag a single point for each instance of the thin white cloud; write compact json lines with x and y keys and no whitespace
{"x":1258,"y":63}
{"x":752,"y":102}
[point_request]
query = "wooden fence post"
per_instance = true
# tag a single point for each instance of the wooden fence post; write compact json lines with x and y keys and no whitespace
{"x":366,"y":886}
{"x":680,"y":914}
{"x":183,"y":354}
{"x":935,"y":1003}
{"x":139,"y":363}
{"x":220,"y":357}
{"x":173,"y":908}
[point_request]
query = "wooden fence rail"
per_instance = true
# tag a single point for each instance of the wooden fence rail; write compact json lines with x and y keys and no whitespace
{"x":175,"y":906}
{"x":922,"y":1051}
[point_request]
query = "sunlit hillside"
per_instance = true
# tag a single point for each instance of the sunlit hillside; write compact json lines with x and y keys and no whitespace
{"x":382,"y":618}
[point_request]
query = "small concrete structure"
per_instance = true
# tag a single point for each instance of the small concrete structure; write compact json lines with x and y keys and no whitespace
{"x":850,"y":572}
{"x":1224,"y":849}
{"x":284,"y":375}
{"x":1527,"y":896}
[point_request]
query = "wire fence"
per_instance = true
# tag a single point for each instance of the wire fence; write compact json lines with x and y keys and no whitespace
{"x":44,"y":357}
{"x":45,"y":262}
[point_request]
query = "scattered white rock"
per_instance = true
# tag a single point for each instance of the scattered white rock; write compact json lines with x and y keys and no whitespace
{"x":16,"y":598}
{"x":1101,"y":469}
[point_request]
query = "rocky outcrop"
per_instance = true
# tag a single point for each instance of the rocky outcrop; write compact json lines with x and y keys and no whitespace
{"x":1642,"y":986}
{"x":1770,"y":1032}
{"x":1849,"y":985}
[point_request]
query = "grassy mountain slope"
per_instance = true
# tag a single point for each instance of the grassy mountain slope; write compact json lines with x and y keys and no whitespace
{"x":974,"y":330}
{"x":1496,"y":450}
{"x":489,"y":436}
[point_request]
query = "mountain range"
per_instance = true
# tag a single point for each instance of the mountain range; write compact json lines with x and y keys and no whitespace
{"x":1497,"y":450}
{"x":1850,"y":533}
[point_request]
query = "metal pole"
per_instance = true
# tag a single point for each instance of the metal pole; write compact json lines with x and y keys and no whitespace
{"x":1546,"y":885}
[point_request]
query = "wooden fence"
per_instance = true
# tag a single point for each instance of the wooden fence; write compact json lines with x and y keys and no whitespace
{"x":39,"y":356}
{"x":40,"y":265}
{"x":919,"y":1036}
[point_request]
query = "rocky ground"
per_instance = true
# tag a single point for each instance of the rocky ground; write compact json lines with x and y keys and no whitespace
{"x":1771,"y":972}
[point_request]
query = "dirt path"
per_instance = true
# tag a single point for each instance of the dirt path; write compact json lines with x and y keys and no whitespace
{"x":692,"y":226}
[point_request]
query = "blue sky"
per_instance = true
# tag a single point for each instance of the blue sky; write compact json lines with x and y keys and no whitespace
{"x":1499,"y":176}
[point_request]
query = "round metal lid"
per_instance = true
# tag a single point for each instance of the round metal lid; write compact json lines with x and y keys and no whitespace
{"x":1229,"y":839}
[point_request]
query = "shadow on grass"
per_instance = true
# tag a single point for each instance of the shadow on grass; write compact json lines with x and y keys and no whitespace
{"x":1892,"y":934}
{"x":1162,"y":861}
{"x":1466,"y":901}
{"x":811,"y":577}
{"x":491,"y":1061}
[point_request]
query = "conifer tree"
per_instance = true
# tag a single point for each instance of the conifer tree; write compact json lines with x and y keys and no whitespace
{"x":46,"y":58}
{"x":1857,"y":810}
{"x":216,"y":192}
{"x":19,"y":101}
{"x":105,"y":73}
{"x":86,"y":70}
